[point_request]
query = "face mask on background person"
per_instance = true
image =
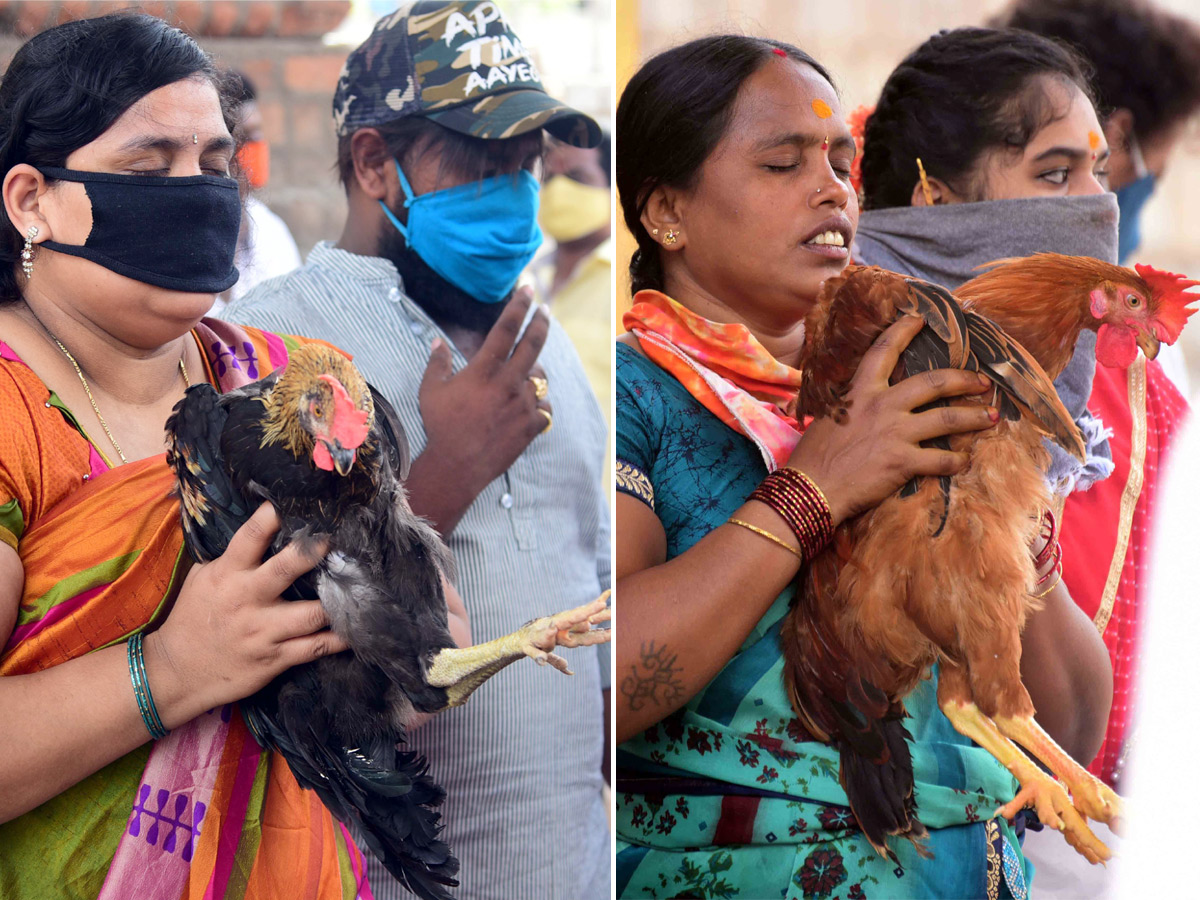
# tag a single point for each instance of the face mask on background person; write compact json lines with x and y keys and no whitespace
{"x":478,"y":236}
{"x":174,"y":233}
{"x":571,"y":210}
{"x":1130,"y":200}
{"x":254,"y":157}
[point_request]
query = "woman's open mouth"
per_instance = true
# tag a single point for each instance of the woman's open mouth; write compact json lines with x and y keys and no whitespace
{"x":831,"y":239}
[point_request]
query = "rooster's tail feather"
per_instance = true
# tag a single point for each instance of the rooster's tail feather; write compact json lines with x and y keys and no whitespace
{"x":387,"y":794}
{"x":881,"y":790}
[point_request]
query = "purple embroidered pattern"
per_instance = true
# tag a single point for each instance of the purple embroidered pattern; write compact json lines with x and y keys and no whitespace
{"x":229,"y":351}
{"x":163,"y":822}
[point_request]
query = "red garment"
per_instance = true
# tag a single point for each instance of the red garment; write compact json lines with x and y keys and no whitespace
{"x":1091,"y":526}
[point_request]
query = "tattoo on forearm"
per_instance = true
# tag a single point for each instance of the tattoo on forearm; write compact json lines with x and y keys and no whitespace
{"x":655,"y":678}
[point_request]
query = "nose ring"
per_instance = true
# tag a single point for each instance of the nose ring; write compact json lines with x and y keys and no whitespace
{"x":818,"y":190}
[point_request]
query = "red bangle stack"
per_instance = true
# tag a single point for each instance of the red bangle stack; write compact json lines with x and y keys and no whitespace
{"x":800,"y":503}
{"x":1050,"y":550}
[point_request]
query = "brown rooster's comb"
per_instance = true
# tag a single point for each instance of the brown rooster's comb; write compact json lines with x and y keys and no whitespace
{"x":1170,"y":297}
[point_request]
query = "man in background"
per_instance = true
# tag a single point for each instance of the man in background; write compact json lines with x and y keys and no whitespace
{"x":440,"y":117}
{"x":575,"y":277}
{"x":265,"y":246}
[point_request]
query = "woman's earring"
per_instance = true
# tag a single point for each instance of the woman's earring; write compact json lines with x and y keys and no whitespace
{"x":670,"y":237}
{"x":654,"y":232}
{"x":27,"y":252}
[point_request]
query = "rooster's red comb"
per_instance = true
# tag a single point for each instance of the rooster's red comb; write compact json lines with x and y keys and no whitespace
{"x":1168,"y":295}
{"x":350,"y":424}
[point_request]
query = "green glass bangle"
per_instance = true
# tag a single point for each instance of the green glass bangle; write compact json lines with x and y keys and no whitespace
{"x":141,"y":688}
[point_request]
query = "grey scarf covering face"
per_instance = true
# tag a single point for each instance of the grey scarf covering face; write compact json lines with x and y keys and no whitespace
{"x":944,"y":244}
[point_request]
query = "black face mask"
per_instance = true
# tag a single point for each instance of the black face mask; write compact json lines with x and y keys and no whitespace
{"x":174,"y":233}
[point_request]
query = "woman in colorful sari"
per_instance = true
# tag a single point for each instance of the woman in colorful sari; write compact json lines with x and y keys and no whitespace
{"x":120,"y":220}
{"x":733,"y":167}
{"x":1016,"y":163}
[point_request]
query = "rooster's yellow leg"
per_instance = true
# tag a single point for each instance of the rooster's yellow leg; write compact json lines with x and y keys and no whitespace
{"x":461,"y":670}
{"x":1038,"y":789}
{"x":1092,"y":797}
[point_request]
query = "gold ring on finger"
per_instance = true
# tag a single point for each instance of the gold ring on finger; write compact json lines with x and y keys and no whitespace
{"x":541,"y":387}
{"x":549,"y":419}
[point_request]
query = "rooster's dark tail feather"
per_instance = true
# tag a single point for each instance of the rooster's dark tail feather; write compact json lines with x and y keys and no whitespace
{"x":386,"y":794}
{"x":881,"y":790}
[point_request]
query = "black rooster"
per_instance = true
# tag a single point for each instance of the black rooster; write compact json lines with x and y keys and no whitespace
{"x":329,"y":452}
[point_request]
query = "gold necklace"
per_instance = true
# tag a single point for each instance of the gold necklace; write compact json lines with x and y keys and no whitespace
{"x":78,"y":371}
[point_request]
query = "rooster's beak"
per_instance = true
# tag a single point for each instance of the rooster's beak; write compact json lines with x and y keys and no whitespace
{"x":343,"y":459}
{"x":1149,"y":344}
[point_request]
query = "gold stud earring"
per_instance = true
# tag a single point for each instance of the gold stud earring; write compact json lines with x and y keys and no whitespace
{"x":670,"y":237}
{"x":654,"y":232}
{"x":27,"y":252}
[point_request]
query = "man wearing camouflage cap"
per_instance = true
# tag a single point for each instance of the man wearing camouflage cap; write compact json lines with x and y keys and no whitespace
{"x":440,"y":117}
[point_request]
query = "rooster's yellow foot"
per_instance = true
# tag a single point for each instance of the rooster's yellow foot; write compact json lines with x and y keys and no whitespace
{"x":572,"y":628}
{"x":1050,"y":801}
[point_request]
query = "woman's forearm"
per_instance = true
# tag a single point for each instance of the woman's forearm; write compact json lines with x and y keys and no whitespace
{"x":1067,"y":671}
{"x":66,"y":722}
{"x":683,"y":620}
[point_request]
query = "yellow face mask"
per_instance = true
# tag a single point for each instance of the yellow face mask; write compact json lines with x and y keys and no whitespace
{"x":570,"y":210}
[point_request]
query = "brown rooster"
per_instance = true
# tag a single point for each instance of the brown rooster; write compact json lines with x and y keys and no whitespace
{"x":941,"y":572}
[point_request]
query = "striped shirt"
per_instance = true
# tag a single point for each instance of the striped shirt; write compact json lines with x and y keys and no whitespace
{"x":521,"y":760}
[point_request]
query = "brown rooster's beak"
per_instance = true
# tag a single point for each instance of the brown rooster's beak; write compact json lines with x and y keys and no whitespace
{"x":1149,"y":344}
{"x":343,"y":459}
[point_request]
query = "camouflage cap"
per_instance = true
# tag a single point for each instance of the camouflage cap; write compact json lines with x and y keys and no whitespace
{"x":458,"y":64}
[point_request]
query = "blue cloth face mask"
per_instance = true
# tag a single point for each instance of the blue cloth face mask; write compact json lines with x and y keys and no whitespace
{"x":1131,"y":199}
{"x":477,"y":236}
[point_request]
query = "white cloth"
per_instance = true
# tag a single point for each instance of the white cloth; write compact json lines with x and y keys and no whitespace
{"x":265,"y":250}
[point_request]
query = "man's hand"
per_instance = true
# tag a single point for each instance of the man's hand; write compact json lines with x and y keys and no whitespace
{"x":477,"y":422}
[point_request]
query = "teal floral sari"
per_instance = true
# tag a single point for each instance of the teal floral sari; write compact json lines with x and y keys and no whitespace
{"x":729,"y":797}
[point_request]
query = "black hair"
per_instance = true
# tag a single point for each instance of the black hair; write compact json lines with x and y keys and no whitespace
{"x":959,"y":96}
{"x":66,"y":86}
{"x":671,"y":116}
{"x":245,"y":91}
{"x":1146,"y":59}
{"x":463,"y":154}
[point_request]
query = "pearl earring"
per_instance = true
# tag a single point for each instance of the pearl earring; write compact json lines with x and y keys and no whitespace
{"x":27,"y":252}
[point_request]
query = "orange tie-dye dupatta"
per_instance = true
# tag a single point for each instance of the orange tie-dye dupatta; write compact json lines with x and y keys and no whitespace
{"x":725,"y":368}
{"x":203,"y":813}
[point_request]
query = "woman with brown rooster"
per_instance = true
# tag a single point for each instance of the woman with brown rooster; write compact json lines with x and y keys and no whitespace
{"x":1015,"y":162}
{"x":734,"y":174}
{"x":119,"y":224}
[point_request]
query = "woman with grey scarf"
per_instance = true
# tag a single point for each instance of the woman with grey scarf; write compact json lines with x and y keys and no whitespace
{"x":985,"y":144}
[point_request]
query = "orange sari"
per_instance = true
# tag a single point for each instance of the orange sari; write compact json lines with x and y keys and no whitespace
{"x":205,"y":812}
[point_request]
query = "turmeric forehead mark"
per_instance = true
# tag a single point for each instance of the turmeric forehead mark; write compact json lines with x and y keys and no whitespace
{"x":821,"y":108}
{"x":1093,"y":140}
